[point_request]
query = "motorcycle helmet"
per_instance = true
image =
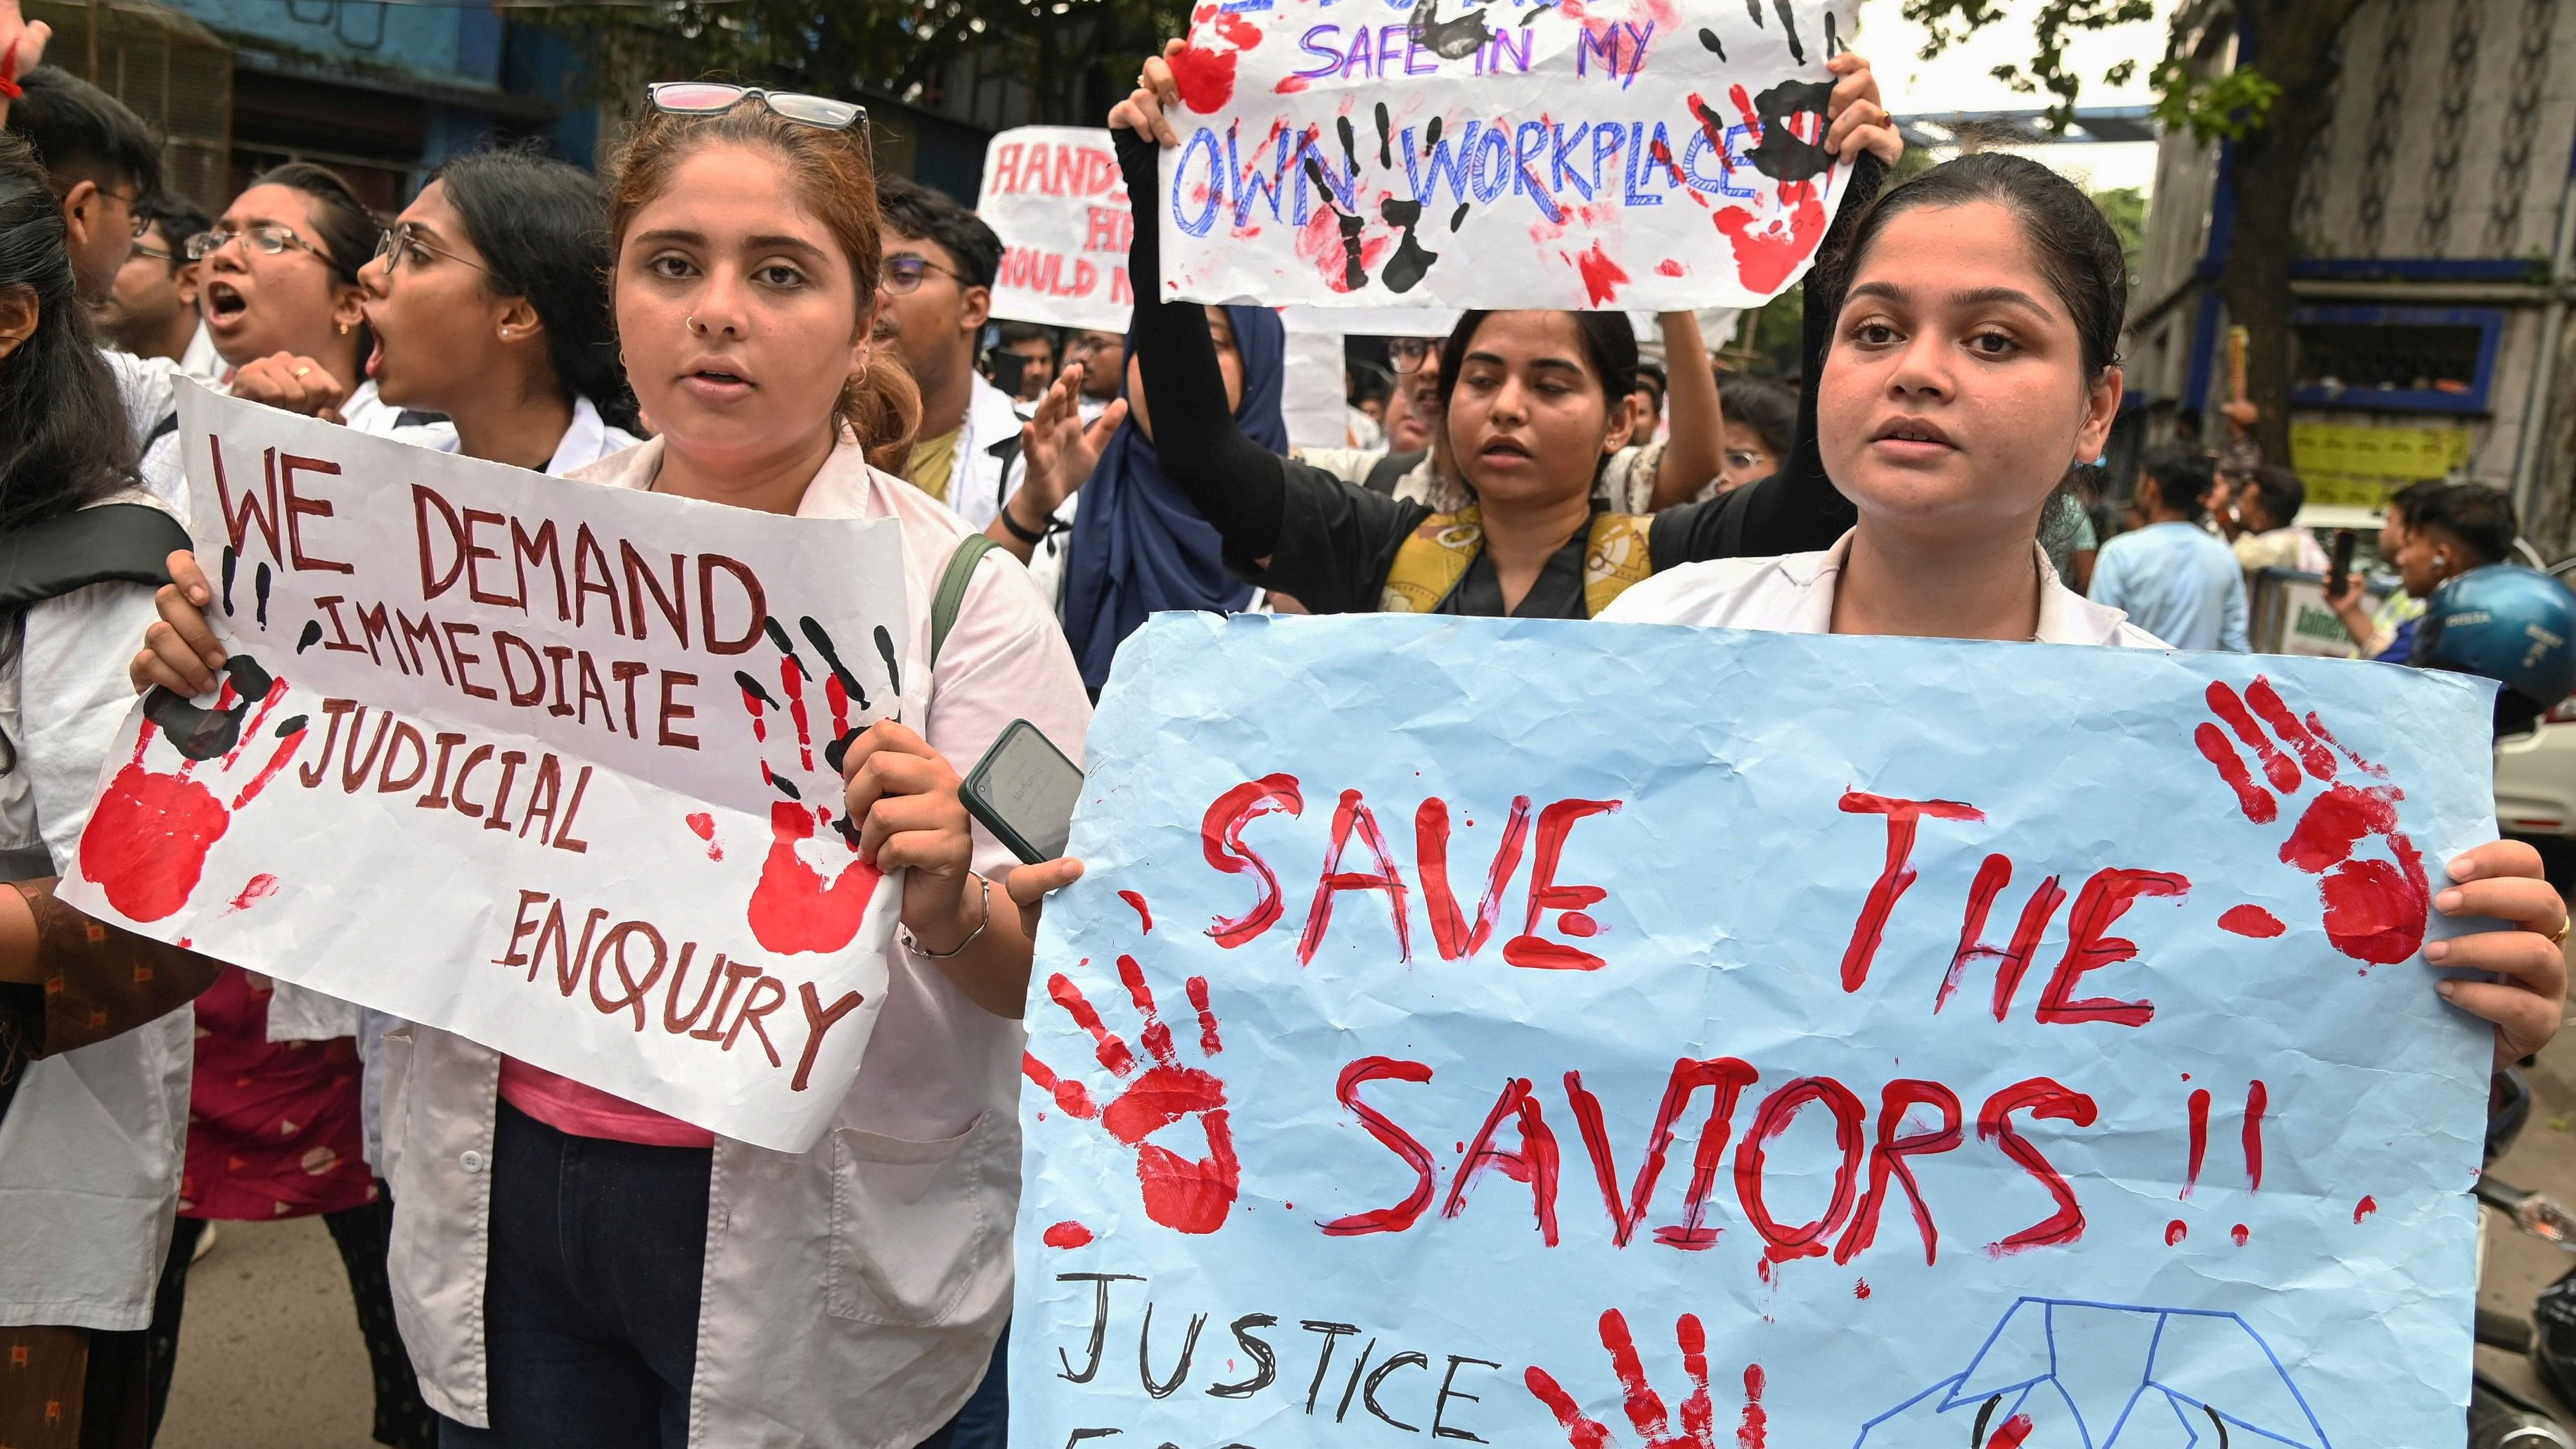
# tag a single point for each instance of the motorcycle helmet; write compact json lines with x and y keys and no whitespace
{"x":2514,"y":625}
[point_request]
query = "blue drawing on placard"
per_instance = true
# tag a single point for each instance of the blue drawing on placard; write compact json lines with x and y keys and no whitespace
{"x":2060,"y":1373}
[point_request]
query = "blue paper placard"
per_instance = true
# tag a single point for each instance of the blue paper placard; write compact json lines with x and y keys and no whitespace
{"x":1538,"y":1033}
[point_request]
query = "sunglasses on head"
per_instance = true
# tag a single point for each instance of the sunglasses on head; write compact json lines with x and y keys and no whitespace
{"x":714,"y":98}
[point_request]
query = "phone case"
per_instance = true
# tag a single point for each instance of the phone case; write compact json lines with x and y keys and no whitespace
{"x":970,"y":793}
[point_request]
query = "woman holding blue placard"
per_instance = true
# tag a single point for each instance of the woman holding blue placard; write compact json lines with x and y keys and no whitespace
{"x":1974,"y":355}
{"x":1533,"y":403}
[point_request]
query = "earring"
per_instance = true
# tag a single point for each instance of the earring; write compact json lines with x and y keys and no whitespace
{"x":344,"y":329}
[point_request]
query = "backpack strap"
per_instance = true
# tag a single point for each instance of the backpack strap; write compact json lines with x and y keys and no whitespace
{"x":125,"y":542}
{"x":1389,"y":471}
{"x":952,"y":588}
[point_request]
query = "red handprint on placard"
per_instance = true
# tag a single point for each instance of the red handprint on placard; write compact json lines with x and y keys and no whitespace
{"x":1645,"y":1406}
{"x":799,"y":905}
{"x":2375,"y":907}
{"x":146,"y":843}
{"x":1183,"y":1194}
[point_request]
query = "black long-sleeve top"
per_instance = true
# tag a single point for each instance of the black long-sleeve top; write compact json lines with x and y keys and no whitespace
{"x":1331,"y":543}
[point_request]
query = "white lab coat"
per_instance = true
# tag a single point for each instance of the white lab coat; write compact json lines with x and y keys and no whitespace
{"x":979,"y":482}
{"x":852,"y":1293}
{"x":1794,"y":594}
{"x":91,"y":1149}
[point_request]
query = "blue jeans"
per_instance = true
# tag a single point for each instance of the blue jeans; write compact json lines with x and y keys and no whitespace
{"x":985,"y":1422}
{"x":590,"y":1307}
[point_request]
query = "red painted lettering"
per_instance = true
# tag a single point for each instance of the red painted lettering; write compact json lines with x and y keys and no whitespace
{"x":1903,"y":818}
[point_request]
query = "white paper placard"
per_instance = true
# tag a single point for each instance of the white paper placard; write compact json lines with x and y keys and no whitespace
{"x":1654,"y":154}
{"x":544,"y":763}
{"x":1054,"y":196}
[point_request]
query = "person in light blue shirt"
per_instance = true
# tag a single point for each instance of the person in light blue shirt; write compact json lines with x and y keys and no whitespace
{"x":2175,"y":580}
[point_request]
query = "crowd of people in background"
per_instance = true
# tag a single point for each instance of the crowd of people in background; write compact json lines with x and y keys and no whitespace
{"x":535,"y":1261}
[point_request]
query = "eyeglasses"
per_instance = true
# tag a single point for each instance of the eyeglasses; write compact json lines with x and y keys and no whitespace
{"x":269,"y":240}
{"x":1087,"y":344}
{"x":392,"y":245}
{"x":904,"y":274}
{"x":155,"y":253}
{"x":714,"y":98}
{"x":1409,"y":353}
{"x":135,"y":220}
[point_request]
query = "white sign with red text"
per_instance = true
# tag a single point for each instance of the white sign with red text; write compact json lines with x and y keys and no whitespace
{"x":1053,"y":195}
{"x":547,"y":764}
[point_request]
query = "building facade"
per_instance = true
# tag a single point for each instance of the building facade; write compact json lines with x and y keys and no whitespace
{"x":2433,"y":280}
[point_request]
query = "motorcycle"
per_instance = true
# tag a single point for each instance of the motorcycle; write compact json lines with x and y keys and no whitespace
{"x":2499,"y":1417}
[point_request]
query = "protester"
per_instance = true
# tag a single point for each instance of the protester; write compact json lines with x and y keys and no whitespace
{"x":2267,"y":534}
{"x":280,"y":292}
{"x":1533,"y":403}
{"x":591,"y":1272}
{"x":2448,"y":531}
{"x":1036,"y":348}
{"x":1644,"y":475}
{"x":89,"y":1132}
{"x":2373,"y":631}
{"x":940,"y":262}
{"x":100,"y":161}
{"x":1413,"y":408}
{"x":1760,"y":418}
{"x":151,"y":309}
{"x":1649,"y":393}
{"x":1062,"y":441}
{"x":1137,"y":546}
{"x":486,"y":305}
{"x":1964,"y":378}
{"x":1365,"y":387}
{"x":1103,"y":356}
{"x":2167,"y":573}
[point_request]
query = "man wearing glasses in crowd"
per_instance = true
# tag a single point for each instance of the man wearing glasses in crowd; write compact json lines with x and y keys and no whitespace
{"x":936,"y":294}
{"x":1414,"y":464}
{"x":1103,"y":356}
{"x":151,"y":309}
{"x":101,"y":160}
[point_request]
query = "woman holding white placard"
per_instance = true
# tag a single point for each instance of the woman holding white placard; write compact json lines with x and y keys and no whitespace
{"x":574,"y":1269}
{"x":1533,"y":403}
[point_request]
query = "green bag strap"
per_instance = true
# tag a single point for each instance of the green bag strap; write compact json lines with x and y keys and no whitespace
{"x":952,"y":588}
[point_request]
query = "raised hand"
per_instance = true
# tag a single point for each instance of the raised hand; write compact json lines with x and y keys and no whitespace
{"x":293,"y":384}
{"x":1860,"y":121}
{"x":146,"y":843}
{"x":1062,"y":449}
{"x":1645,"y":1406}
{"x":1156,"y":92}
{"x":22,"y":49}
{"x":1188,"y":1195}
{"x":2374,"y":906}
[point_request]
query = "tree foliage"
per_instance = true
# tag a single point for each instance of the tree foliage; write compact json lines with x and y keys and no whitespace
{"x":1075,"y":57}
{"x":2226,"y":107}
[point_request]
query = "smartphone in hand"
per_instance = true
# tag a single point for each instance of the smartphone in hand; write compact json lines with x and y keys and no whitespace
{"x":1024,"y":791}
{"x":2341,"y":574}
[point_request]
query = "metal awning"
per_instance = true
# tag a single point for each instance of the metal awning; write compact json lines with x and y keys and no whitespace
{"x":2096,"y":124}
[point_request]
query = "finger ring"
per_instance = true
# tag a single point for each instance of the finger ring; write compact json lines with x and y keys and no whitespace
{"x":2559,"y":937}
{"x":299,"y":373}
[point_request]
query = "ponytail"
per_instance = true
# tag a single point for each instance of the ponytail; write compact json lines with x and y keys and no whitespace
{"x":882,"y":405}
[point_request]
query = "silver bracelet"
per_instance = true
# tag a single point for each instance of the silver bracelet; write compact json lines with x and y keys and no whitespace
{"x":959,"y":948}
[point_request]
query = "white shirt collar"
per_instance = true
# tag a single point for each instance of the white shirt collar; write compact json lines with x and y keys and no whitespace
{"x":201,"y":361}
{"x":2065,"y":617}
